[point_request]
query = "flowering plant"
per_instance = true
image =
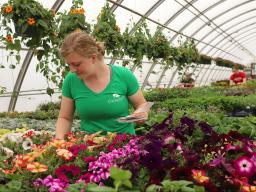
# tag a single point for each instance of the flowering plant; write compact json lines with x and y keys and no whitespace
{"x":34,"y":159}
{"x":73,"y":20}
{"x":29,"y":22}
{"x":135,"y":45}
{"x":190,"y":155}
{"x":107,"y":31}
{"x":159,"y":48}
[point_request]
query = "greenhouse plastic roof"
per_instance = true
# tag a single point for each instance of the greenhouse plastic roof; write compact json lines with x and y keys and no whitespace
{"x":220,"y":28}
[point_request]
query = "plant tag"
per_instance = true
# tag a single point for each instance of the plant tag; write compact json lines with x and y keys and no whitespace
{"x":131,"y":118}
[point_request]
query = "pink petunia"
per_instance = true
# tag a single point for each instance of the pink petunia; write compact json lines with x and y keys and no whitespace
{"x":244,"y":166}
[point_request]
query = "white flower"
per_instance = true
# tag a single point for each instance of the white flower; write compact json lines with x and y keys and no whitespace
{"x":12,"y":137}
{"x":7,"y":151}
{"x":27,"y":144}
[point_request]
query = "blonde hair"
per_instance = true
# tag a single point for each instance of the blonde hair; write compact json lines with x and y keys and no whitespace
{"x":83,"y":44}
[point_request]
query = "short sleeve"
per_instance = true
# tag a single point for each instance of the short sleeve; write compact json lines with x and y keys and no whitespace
{"x":131,"y":81}
{"x":66,"y":86}
{"x":243,"y":75}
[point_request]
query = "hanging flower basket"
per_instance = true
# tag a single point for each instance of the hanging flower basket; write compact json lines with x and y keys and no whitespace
{"x":74,"y":20}
{"x":135,"y":45}
{"x":107,"y":31}
{"x":159,"y":46}
{"x":32,"y":22}
{"x":205,"y":59}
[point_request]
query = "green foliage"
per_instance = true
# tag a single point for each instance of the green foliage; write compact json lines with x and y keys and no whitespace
{"x":186,"y":54}
{"x":135,"y":45}
{"x":226,"y":63}
{"x":160,"y":48}
{"x":74,"y":20}
{"x":2,"y":90}
{"x":34,"y":25}
{"x":107,"y":31}
{"x":204,"y":59}
{"x":175,"y":186}
{"x":121,"y":182}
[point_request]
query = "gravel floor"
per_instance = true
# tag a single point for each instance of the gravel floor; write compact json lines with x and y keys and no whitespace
{"x":49,"y":124}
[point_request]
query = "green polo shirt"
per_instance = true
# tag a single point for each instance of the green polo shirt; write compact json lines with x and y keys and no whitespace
{"x":100,"y":111}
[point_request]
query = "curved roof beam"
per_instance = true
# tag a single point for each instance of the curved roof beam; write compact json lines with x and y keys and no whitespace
{"x":170,"y":29}
{"x":243,"y":41}
{"x":24,"y":67}
{"x":249,"y":25}
{"x":196,"y":17}
{"x":223,"y":13}
{"x":114,"y":6}
{"x":244,"y":36}
{"x":220,"y":25}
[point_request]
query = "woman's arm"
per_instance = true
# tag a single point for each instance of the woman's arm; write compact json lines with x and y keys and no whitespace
{"x":65,"y":119}
{"x":138,"y":102}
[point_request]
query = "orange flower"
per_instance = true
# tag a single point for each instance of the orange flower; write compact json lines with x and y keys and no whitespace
{"x":248,"y":188}
{"x":36,"y":167}
{"x":8,"y":171}
{"x":64,"y":153}
{"x":9,"y":38}
{"x":21,"y":161}
{"x":81,"y":11}
{"x":32,"y":156}
{"x":200,"y":176}
{"x":58,"y":143}
{"x":31,"y":21}
{"x":77,"y":30}
{"x":8,"y":9}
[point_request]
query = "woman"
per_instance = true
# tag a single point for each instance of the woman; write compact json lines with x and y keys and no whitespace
{"x":237,"y":77}
{"x":99,"y":93}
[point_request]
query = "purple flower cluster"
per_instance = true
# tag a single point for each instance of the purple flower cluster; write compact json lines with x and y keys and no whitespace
{"x":100,"y":167}
{"x":56,"y":185}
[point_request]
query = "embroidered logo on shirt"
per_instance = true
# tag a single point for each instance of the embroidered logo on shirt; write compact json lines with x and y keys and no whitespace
{"x":115,"y":98}
{"x":116,"y":95}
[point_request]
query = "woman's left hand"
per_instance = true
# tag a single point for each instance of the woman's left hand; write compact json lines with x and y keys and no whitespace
{"x":143,"y":115}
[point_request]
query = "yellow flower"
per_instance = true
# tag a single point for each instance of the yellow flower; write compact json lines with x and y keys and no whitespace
{"x":36,"y":167}
{"x":8,"y":9}
{"x":248,"y":188}
{"x":77,"y":30}
{"x":200,"y":176}
{"x":8,"y":171}
{"x":31,"y":21}
{"x":58,"y":143}
{"x":64,"y":153}
{"x":21,"y":161}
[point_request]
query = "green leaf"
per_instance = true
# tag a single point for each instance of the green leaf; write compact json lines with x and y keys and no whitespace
{"x":49,"y":91}
{"x":15,"y":185}
{"x":119,"y":174}
{"x":154,"y":188}
{"x":199,"y":188}
{"x":117,"y":183}
{"x":127,"y":183}
{"x":188,"y":189}
{"x":100,"y":189}
{"x":43,"y":24}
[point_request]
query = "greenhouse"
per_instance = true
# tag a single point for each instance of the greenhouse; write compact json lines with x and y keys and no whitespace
{"x":128,"y":95}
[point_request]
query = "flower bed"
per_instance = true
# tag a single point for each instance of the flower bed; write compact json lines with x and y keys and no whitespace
{"x":187,"y":157}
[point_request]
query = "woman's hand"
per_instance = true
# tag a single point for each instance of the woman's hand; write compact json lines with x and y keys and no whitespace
{"x":143,"y":115}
